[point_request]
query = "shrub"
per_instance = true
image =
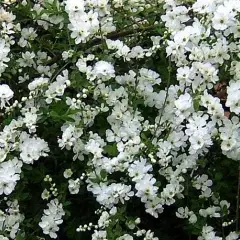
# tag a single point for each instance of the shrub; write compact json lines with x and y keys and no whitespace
{"x":113,"y":123}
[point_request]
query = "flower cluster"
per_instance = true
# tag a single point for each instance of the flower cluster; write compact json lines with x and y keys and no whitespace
{"x":110,"y":109}
{"x":52,"y":218}
{"x":11,"y":219}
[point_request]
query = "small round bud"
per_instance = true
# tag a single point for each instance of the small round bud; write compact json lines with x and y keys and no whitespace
{"x":184,"y":170}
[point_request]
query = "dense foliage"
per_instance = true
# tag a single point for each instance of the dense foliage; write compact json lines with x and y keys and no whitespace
{"x":112,"y":125}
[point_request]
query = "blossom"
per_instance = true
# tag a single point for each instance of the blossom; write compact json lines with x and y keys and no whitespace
{"x":3,"y":238}
{"x":223,"y":18}
{"x":57,"y":88}
{"x":11,"y":219}
{"x":103,"y":70}
{"x":125,"y":237}
{"x":73,"y":5}
{"x":97,"y":235}
{"x":9,"y":175}
{"x":67,"y":173}
{"x":4,"y":51}
{"x":45,"y":194}
{"x":38,"y":83}
{"x":233,"y":98}
{"x":138,"y":169}
{"x":111,"y":194}
{"x":52,"y":218}
{"x":145,"y":188}
{"x":5,"y":94}
{"x":184,"y":102}
{"x":32,"y":148}
{"x":74,"y":186}
{"x":136,"y":126}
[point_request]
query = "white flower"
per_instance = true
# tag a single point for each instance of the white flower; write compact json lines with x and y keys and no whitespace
{"x":228,"y":145}
{"x":45,"y":194}
{"x":125,"y":237}
{"x":82,"y":65}
{"x":204,"y":6}
{"x":67,"y":173}
{"x":30,"y":119}
{"x":233,"y":97}
{"x":104,"y":221}
{"x":184,"y":102}
{"x":11,"y":219}
{"x":6,"y":16}
{"x":182,"y":212}
{"x":150,"y":235}
{"x":3,"y":238}
{"x":223,"y":18}
{"x":57,"y":88}
{"x":138,"y":169}
{"x":5,"y":94}
{"x":145,"y":188}
{"x":111,"y":194}
{"x":4,"y":51}
{"x":74,"y":186}
{"x":193,"y":218}
{"x":99,"y":235}
{"x":208,"y":234}
{"x":38,"y":83}
{"x":27,"y":59}
{"x":210,"y":211}
{"x":74,"y":5}
{"x":94,"y":147}
{"x":232,"y":236}
{"x":104,"y":70}
{"x":32,"y":148}
{"x":52,"y":218}
{"x":9,"y":175}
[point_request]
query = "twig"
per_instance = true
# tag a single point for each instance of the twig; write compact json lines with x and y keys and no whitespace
{"x":117,"y":35}
{"x":112,"y":36}
{"x":59,"y":71}
{"x":165,"y":100}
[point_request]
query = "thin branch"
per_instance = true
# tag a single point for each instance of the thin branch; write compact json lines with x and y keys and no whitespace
{"x":112,"y":36}
{"x":165,"y":100}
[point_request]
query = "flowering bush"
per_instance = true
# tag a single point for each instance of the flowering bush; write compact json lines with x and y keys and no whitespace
{"x":111,"y":127}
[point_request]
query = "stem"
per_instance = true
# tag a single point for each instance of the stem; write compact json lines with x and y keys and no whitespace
{"x":113,"y":36}
{"x":117,"y":35}
{"x":165,"y":100}
{"x":238,"y":200}
{"x":223,"y":233}
{"x":59,"y":71}
{"x":102,"y":38}
{"x":135,"y":91}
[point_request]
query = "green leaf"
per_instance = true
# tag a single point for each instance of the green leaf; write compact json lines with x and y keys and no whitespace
{"x":68,"y":213}
{"x":218,"y":176}
{"x":111,"y":150}
{"x":24,"y":196}
{"x":28,"y":167}
{"x":103,"y":174}
{"x":67,"y":203}
{"x":196,"y":104}
{"x":19,"y":237}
